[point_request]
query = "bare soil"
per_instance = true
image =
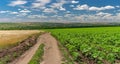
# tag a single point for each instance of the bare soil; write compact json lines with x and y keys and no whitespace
{"x":27,"y":56}
{"x":51,"y":55}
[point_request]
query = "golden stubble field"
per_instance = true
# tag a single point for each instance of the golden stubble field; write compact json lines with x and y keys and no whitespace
{"x":10,"y":37}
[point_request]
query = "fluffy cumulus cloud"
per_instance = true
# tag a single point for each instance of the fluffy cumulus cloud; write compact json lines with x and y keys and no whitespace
{"x":49,"y":10}
{"x":74,"y":2}
{"x":19,"y":13}
{"x":82,"y":7}
{"x":103,"y":14}
{"x":61,"y":10}
{"x":101,"y":8}
{"x":37,"y":16}
{"x":58,"y":5}
{"x":40,"y":3}
{"x":14,"y":13}
{"x":93,"y":8}
{"x":25,"y":11}
{"x":17,"y":2}
{"x":4,"y":12}
{"x":8,"y":12}
{"x":98,"y":17}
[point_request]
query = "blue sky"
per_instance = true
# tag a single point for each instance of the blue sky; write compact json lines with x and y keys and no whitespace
{"x":59,"y":10}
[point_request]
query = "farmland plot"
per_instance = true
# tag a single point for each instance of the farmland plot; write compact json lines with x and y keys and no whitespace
{"x":91,"y":45}
{"x":11,"y":37}
{"x":14,"y":43}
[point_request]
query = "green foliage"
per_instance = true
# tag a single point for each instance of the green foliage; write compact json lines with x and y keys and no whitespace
{"x":95,"y":43}
{"x":38,"y":55}
{"x":4,"y":60}
{"x":50,"y":25}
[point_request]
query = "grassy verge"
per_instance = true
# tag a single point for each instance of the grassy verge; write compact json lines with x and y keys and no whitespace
{"x":7,"y":59}
{"x":67,"y":58}
{"x":37,"y":58}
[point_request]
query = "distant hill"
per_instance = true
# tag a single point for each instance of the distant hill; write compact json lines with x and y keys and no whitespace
{"x":48,"y":25}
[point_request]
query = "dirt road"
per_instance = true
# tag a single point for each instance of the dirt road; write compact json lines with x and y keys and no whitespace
{"x":51,"y":51}
{"x":27,"y":56}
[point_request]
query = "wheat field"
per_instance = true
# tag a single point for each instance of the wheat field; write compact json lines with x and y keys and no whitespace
{"x":10,"y":37}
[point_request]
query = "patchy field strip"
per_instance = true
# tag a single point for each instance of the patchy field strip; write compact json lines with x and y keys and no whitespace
{"x":9,"y":37}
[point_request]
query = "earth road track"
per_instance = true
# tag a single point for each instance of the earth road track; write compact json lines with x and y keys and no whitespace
{"x":51,"y":55}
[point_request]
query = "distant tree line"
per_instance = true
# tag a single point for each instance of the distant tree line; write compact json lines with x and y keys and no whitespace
{"x":48,"y":25}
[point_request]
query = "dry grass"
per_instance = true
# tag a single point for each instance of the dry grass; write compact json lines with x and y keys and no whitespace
{"x":11,"y":37}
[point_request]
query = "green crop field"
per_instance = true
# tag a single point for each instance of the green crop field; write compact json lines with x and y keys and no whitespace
{"x":99,"y":45}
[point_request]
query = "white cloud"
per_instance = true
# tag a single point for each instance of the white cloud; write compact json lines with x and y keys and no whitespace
{"x":43,"y":1}
{"x":93,"y":8}
{"x":62,"y":9}
{"x":59,"y":5}
{"x":49,"y":10}
{"x":19,"y":13}
{"x":40,"y":3}
{"x":14,"y":13}
{"x":37,"y":16}
{"x":98,"y":17}
{"x":8,"y":12}
{"x":37,"y":5}
{"x":103,"y":14}
{"x":74,"y":2}
{"x":101,"y":8}
{"x":56,"y":5}
{"x":22,"y":14}
{"x":4,"y":12}
{"x":109,"y":7}
{"x":82,"y":7}
{"x":25,"y":11}
{"x":69,"y":15}
{"x":68,"y":1}
{"x":17,"y":2}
